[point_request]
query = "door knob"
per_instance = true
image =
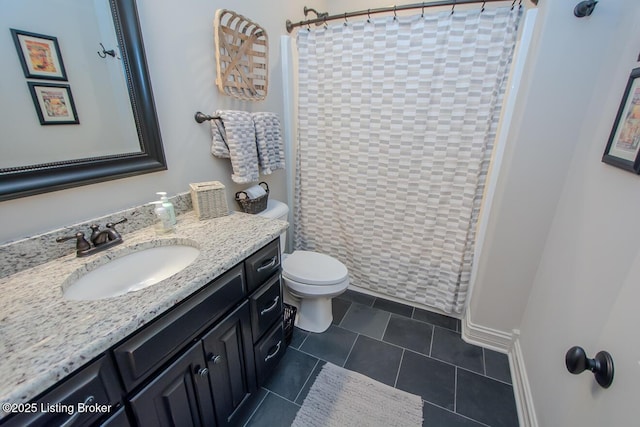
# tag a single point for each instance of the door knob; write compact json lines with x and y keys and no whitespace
{"x":601,"y":365}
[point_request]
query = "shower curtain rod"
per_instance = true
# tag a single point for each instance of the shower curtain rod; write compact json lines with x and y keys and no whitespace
{"x":324,"y":17}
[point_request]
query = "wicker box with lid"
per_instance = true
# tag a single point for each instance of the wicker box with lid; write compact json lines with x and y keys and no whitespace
{"x":209,"y":199}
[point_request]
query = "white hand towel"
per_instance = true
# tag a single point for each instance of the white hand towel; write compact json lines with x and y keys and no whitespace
{"x":234,"y":137}
{"x":269,"y":142}
{"x":255,"y":191}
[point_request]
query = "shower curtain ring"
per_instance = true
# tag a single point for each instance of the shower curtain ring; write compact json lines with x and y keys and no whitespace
{"x":483,"y":3}
{"x":453,"y":8}
{"x":422,"y":16}
{"x":325,"y":23}
{"x":395,"y":15}
{"x":345,"y":19}
{"x":513,"y":4}
{"x":369,"y":16}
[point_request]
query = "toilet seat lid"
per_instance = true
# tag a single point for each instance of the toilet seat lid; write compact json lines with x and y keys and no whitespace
{"x":313,"y":268}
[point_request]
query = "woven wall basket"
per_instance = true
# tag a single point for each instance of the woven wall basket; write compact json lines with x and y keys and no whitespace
{"x":242,"y":52}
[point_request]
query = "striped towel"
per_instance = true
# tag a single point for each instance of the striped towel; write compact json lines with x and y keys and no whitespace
{"x":234,"y":137}
{"x":269,"y":142}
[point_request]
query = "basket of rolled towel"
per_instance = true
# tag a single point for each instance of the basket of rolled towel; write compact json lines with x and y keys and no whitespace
{"x":254,"y":199}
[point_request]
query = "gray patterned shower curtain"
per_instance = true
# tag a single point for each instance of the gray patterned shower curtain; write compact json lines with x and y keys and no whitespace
{"x":397,"y":120}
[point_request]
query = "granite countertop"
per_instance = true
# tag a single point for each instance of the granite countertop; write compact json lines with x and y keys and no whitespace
{"x":44,"y":337}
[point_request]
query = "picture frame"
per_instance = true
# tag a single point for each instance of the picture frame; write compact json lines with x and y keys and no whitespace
{"x":54,"y":103}
{"x":39,"y":55}
{"x":623,"y":147}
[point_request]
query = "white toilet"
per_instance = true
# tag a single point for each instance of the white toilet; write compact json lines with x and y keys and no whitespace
{"x":313,"y":279}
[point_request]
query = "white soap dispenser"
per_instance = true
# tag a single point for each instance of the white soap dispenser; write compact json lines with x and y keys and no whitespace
{"x":163,"y":224}
{"x":168,"y":206}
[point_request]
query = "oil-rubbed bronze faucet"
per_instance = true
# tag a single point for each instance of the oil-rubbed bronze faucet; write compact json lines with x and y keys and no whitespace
{"x":101,"y":239}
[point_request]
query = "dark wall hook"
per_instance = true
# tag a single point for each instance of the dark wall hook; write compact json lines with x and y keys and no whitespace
{"x":584,"y":8}
{"x":104,"y":53}
{"x":601,"y":365}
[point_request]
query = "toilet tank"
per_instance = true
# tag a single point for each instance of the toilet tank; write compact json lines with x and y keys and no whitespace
{"x":277,"y":210}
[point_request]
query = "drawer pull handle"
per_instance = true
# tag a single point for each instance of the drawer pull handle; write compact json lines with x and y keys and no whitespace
{"x":268,"y":265}
{"x":269,"y":356}
{"x":201,"y":371}
{"x":215,"y":358}
{"x":75,"y":416}
{"x":271,"y":307}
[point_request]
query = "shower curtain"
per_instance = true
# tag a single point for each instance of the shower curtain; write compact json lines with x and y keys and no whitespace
{"x":397,"y":119}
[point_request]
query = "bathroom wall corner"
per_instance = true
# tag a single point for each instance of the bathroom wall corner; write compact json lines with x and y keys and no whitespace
{"x":483,"y":336}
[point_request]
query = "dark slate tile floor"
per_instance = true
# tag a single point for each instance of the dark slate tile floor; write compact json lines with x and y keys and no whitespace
{"x":405,"y":347}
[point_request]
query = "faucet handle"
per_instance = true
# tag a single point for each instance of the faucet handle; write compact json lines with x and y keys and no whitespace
{"x":81,"y":242}
{"x":111,"y":224}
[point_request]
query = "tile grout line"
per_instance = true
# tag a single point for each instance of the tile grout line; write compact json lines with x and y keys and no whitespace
{"x":281,"y":397}
{"x":345,"y":313}
{"x":350,"y":350}
{"x":257,"y":407}
{"x":433,"y":333}
{"x":308,"y":334}
{"x":386,"y":325}
{"x":455,"y":390}
{"x":477,"y":373}
{"x":455,"y":413}
{"x":484,"y":363}
{"x":305,"y":383}
{"x":395,"y":383}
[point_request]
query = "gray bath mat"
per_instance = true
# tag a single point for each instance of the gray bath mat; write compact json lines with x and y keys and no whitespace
{"x":341,"y":398}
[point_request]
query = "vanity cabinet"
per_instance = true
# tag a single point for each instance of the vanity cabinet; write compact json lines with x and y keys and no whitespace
{"x":195,"y":365}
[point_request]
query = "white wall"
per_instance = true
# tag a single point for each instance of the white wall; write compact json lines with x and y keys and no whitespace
{"x":570,"y":58}
{"x":178,"y":38}
{"x":586,"y":286}
{"x":561,"y":259}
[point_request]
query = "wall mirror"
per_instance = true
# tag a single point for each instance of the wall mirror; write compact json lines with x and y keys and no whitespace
{"x":99,"y":66}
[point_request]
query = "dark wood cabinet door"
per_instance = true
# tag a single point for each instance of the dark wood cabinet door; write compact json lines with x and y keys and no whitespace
{"x":229,"y":352}
{"x":178,"y":396}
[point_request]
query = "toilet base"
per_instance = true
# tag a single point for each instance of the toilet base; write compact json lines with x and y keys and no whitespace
{"x":315,"y":314}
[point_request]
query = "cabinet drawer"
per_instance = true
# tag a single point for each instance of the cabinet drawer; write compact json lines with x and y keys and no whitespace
{"x":146,"y":351}
{"x":262,"y":265}
{"x":97,"y":384}
{"x":269,"y":351}
{"x":266,"y":306}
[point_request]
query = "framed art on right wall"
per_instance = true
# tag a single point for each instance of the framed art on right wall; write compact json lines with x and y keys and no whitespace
{"x":623,"y":148}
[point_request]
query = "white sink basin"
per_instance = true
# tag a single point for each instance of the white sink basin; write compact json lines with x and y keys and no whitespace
{"x":131,"y":272}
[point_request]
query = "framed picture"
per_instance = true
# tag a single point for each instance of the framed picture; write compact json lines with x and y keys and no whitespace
{"x":39,"y":55}
{"x":54,"y":103}
{"x":624,"y":142}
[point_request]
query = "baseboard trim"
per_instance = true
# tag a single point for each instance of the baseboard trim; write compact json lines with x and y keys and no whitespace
{"x":508,"y":343}
{"x":493,"y":339}
{"x":521,"y":387}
